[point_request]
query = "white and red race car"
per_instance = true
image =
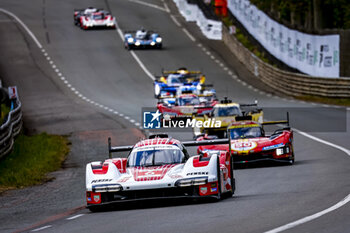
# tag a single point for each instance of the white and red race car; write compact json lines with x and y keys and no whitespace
{"x":93,"y":18}
{"x":159,"y":168}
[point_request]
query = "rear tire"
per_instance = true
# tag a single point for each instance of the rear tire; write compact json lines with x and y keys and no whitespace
{"x":230,"y":193}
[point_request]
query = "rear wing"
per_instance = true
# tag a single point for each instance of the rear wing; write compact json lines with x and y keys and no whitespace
{"x":134,"y":31}
{"x":286,"y":122}
{"x":207,"y":142}
{"x":112,"y":149}
{"x":165,"y":72}
{"x":255,"y":104}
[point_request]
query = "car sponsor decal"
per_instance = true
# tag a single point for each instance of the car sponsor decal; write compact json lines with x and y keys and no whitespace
{"x":101,"y":180}
{"x":196,"y":173}
{"x":243,"y":145}
{"x":244,"y":126}
{"x":273,"y":146}
{"x":124,"y":179}
{"x":213,"y":190}
{"x":96,"y":198}
{"x":151,"y":173}
{"x":203,"y":190}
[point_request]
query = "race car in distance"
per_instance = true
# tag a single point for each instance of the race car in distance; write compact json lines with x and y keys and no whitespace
{"x":250,"y":144}
{"x":93,"y":18}
{"x":159,"y":167}
{"x":187,"y":105}
{"x":228,"y":112}
{"x":142,"y":39}
{"x":170,"y":81}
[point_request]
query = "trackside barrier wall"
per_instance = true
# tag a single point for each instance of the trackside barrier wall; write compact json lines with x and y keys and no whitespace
{"x":10,"y":128}
{"x":191,"y":11}
{"x":289,"y":83}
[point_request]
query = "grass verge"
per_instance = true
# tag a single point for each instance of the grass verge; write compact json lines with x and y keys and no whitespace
{"x":31,"y":159}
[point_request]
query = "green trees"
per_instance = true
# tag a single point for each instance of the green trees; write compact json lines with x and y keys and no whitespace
{"x":309,"y":15}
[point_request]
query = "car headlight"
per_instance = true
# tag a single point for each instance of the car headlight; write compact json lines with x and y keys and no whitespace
{"x":130,"y":40}
{"x":137,"y":43}
{"x":159,"y":40}
{"x":153,"y":43}
{"x":279,"y":151}
{"x":191,"y":182}
{"x":157,"y":90}
{"x":107,"y":188}
{"x":199,"y":87}
{"x":282,"y":150}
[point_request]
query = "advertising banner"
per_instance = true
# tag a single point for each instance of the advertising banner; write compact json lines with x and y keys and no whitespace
{"x":311,"y":54}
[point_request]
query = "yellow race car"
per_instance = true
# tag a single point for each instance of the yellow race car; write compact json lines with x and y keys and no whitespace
{"x":227,"y":112}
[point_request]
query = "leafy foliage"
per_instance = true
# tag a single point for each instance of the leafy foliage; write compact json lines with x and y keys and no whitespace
{"x":308,"y":14}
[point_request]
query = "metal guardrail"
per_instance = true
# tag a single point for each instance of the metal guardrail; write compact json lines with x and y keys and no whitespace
{"x":289,"y":83}
{"x":10,"y":128}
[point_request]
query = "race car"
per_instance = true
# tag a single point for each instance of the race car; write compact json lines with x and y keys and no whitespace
{"x":227,"y":112}
{"x":93,"y":18}
{"x":159,"y":167}
{"x":187,"y":105}
{"x":169,"y":83}
{"x":142,"y":39}
{"x":249,"y":143}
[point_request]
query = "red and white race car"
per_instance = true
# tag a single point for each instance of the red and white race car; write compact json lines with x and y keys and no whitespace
{"x":250,"y":144}
{"x":159,"y":168}
{"x":187,"y":105}
{"x":93,"y":18}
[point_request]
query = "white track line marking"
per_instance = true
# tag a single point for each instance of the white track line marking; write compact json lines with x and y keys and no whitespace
{"x":120,"y":33}
{"x":149,"y":5}
{"x":323,"y":212}
{"x":323,"y":141}
{"x":310,"y":217}
{"x":142,"y":66}
{"x":166,"y":6}
{"x":188,"y":34}
{"x":41,"y":228}
{"x":175,"y":20}
{"x":24,"y":26}
{"x":75,"y":216}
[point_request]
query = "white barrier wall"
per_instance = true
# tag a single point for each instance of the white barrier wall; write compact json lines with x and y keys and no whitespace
{"x":212,"y":29}
{"x":312,"y":54}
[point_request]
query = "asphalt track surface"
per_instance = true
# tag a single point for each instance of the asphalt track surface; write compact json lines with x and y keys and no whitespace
{"x":96,"y":66}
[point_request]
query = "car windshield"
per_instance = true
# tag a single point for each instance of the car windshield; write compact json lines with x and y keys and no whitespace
{"x":186,"y":101}
{"x":245,"y":132}
{"x":155,"y":156}
{"x":175,"y":79}
{"x":98,"y":16}
{"x":227,"y":111}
